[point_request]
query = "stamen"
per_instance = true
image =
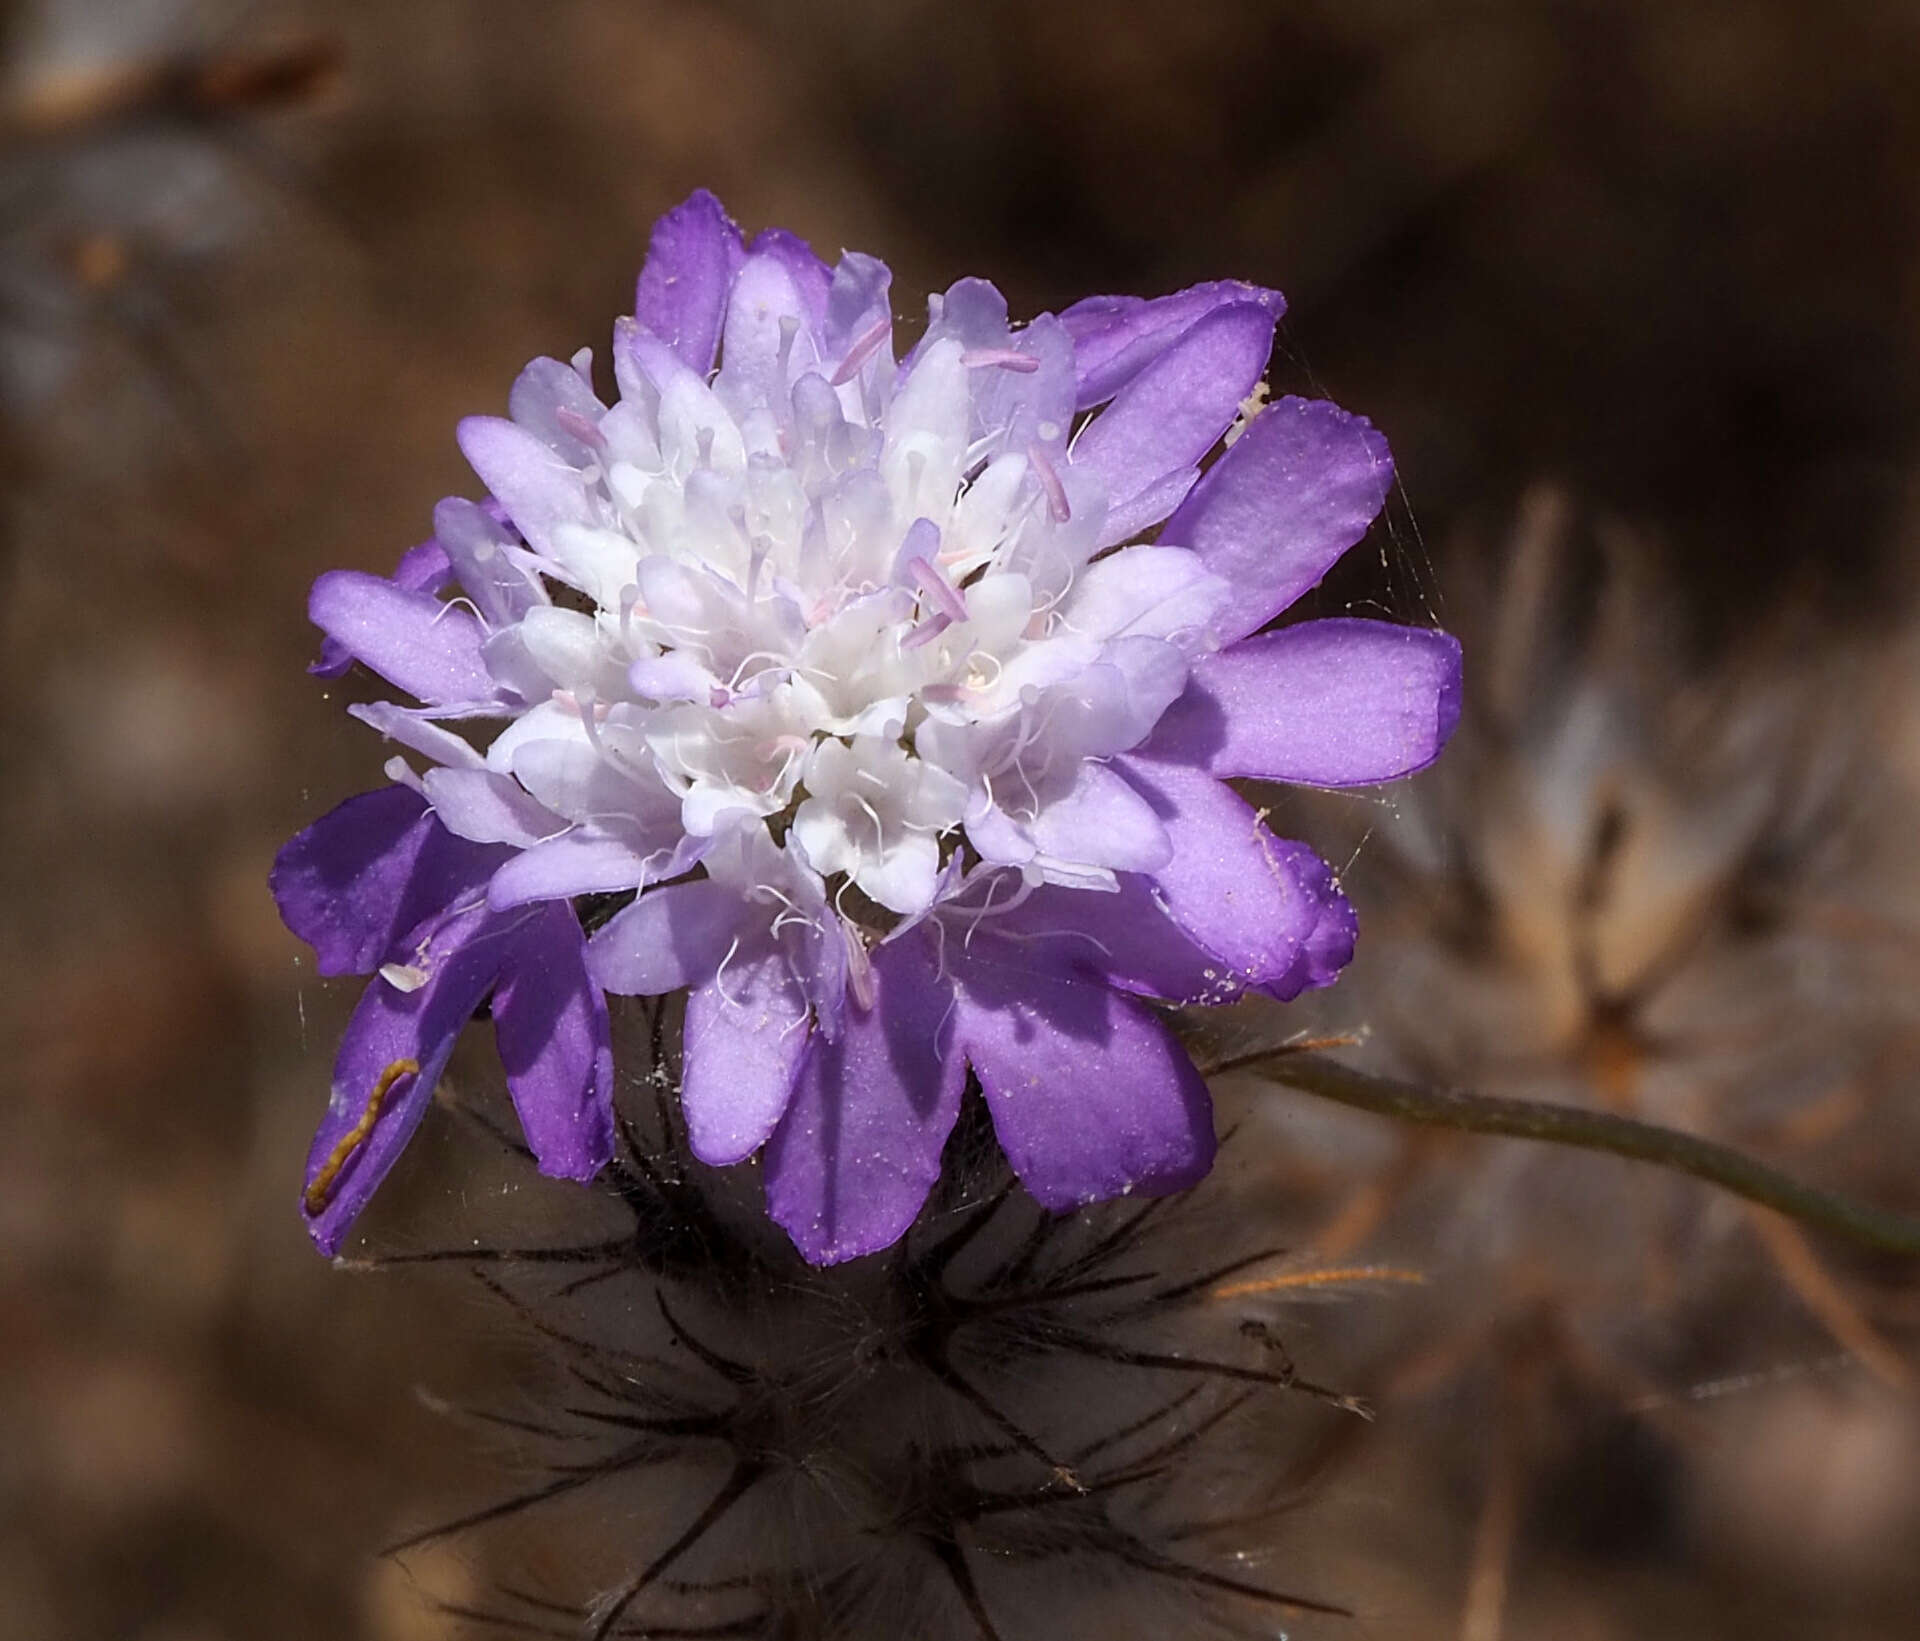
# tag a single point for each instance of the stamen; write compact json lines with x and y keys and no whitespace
{"x":1056,"y":493}
{"x":862,"y":350}
{"x":320,"y":1192}
{"x":588,"y":433}
{"x":720,"y":974}
{"x":1025,"y":364}
{"x":789,"y":329}
{"x":458,"y":598}
{"x":937,"y":587}
{"x":924,"y":634}
{"x":859,"y":965}
{"x":879,"y":831}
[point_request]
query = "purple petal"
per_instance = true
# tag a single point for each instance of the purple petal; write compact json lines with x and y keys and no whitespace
{"x":1329,"y":947}
{"x":1174,"y":411}
{"x":1293,"y":492}
{"x":745,"y":1034}
{"x":538,"y":489}
{"x":859,"y":1148}
{"x":418,"y":644}
{"x":1326,"y":703}
{"x":1091,"y":1096}
{"x":669,"y":939}
{"x":376,"y":1104}
{"x":358,"y":880}
{"x":1124,"y":939}
{"x":691,"y":260}
{"x":1231,"y":885}
{"x":422,"y":569}
{"x":1116,"y":337}
{"x":1129,"y":517}
{"x":550,"y":1023}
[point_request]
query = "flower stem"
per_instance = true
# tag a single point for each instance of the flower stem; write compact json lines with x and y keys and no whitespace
{"x":1859,"y":1222}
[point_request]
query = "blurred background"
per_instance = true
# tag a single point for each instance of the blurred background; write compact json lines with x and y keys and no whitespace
{"x":1633,"y":286}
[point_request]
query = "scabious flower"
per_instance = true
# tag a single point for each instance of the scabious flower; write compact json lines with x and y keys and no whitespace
{"x":863,"y":680}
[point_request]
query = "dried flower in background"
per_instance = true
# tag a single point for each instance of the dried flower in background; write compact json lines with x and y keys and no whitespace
{"x":1673,"y":890}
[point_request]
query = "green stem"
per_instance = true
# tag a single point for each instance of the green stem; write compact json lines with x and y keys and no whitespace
{"x":1590,"y":1130}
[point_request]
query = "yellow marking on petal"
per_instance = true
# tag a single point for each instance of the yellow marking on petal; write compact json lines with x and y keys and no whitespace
{"x":1320,"y":1279}
{"x":320,"y":1192}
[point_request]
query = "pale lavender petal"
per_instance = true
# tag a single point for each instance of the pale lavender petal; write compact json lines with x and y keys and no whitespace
{"x":577,"y":863}
{"x":1230,"y":884}
{"x":859,"y":330}
{"x":1152,"y":592}
{"x":1116,"y":337}
{"x":489,"y":808}
{"x":358,"y":880}
{"x":539,"y":490}
{"x":1102,"y":822}
{"x":378,"y":1099}
{"x":682,"y":293}
{"x":675,"y":676}
{"x":1029,"y":407}
{"x":765,"y":302}
{"x":857,"y":302}
{"x":1293,"y":492}
{"x":811,"y":277}
{"x":554,"y":402}
{"x":412,"y":729}
{"x":414,"y":641}
{"x":859,"y":1148}
{"x":422,"y":569}
{"x":486,"y":557}
{"x":1114,"y":704}
{"x":1091,"y":1095}
{"x":1174,"y":411}
{"x":1327,"y":703}
{"x":550,"y":1024}
{"x":671,"y":938}
{"x":745,"y":1034}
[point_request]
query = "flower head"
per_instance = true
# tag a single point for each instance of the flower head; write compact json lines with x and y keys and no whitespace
{"x":861,"y":677}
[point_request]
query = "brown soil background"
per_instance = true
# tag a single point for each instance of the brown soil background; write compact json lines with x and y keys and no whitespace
{"x":1662,"y":256}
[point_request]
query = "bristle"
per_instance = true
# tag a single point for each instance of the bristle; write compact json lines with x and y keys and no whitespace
{"x":1010,"y":1423}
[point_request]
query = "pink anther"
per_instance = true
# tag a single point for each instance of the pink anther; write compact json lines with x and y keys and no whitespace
{"x":863,"y":349}
{"x":586,"y":431}
{"x":1049,"y":477}
{"x":926,"y":632}
{"x":1025,"y":364}
{"x":937,"y":588}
